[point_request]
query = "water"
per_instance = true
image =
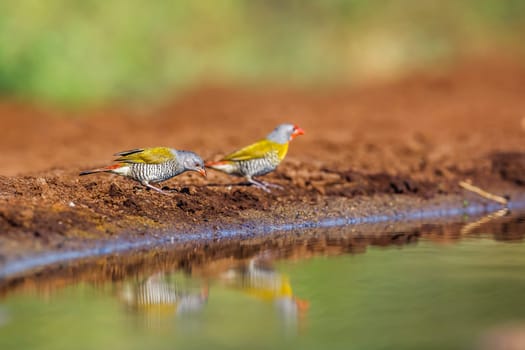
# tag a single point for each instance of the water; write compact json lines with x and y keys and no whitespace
{"x":456,"y":286}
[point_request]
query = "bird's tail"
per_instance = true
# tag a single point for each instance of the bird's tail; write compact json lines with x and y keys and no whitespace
{"x":108,"y":169}
{"x":222,"y":165}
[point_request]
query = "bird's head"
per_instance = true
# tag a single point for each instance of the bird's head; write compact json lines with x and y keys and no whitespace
{"x":285,"y":133}
{"x":192,"y":162}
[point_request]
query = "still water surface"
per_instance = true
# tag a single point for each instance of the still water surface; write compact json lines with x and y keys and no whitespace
{"x":443,"y":291}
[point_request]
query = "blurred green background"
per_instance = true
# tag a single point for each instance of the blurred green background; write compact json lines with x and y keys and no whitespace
{"x":91,"y":51}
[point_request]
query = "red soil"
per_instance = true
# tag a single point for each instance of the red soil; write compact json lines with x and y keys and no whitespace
{"x":411,"y":140}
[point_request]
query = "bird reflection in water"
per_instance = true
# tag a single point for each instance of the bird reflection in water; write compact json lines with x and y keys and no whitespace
{"x":259,"y":279}
{"x":162,"y":296}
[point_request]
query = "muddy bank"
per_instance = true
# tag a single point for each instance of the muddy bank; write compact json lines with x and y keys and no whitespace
{"x":207,"y":260}
{"x":385,"y":148}
{"x":62,"y":233}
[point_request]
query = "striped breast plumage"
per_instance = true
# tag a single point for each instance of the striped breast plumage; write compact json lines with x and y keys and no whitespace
{"x":155,"y":172}
{"x":260,"y":166}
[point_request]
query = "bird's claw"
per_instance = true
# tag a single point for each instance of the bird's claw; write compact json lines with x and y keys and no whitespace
{"x":157,"y":189}
{"x":265,"y":186}
{"x":269,"y":184}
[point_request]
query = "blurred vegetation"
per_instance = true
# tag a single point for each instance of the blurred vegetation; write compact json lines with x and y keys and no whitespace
{"x":89,"y":51}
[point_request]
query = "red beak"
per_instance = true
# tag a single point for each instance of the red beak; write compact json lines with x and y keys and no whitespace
{"x":297,"y":131}
{"x":202,"y":171}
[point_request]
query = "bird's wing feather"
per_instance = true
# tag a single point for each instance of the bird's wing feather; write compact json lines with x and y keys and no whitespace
{"x":131,"y":151}
{"x":154,"y":155}
{"x":259,"y":149}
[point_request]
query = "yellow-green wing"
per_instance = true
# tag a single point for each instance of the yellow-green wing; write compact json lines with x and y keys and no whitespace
{"x":259,"y":149}
{"x":154,"y":155}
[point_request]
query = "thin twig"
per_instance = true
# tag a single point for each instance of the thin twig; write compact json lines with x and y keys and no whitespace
{"x":468,"y":228}
{"x":469,"y":187}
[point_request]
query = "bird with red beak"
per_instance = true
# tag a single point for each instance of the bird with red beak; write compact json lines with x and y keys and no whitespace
{"x":153,"y":165}
{"x":259,"y":158}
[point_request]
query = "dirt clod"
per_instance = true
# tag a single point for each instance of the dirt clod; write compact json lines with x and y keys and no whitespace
{"x":510,"y":166}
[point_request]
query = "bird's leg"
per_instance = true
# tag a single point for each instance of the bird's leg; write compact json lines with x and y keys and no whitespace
{"x":265,"y":184}
{"x":258,"y":184}
{"x":148,"y":185}
{"x":272,"y":185}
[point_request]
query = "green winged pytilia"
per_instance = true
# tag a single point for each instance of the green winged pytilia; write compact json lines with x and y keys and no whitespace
{"x":152,"y":165}
{"x":259,"y":158}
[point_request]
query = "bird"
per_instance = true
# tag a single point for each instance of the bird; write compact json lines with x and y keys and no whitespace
{"x":259,"y":158}
{"x":152,"y":165}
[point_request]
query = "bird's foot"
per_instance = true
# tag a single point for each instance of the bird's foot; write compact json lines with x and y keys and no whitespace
{"x":265,"y":186}
{"x":156,"y":189}
{"x":272,"y":185}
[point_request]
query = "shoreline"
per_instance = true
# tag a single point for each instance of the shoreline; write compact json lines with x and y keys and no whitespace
{"x":404,"y":210}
